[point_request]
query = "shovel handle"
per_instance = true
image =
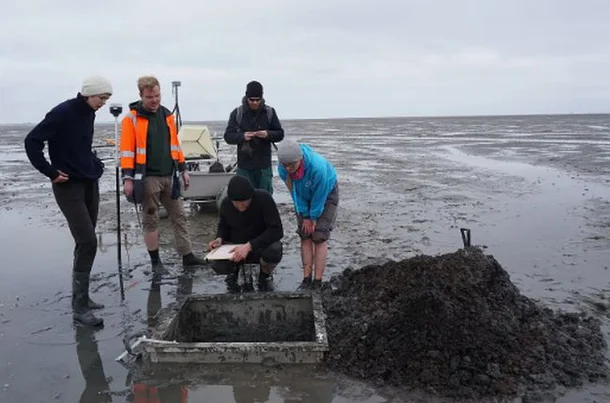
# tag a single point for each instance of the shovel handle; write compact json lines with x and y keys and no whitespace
{"x":465,"y":237}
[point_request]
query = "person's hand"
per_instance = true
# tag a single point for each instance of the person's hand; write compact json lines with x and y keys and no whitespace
{"x":262,"y":134}
{"x":308,"y":227}
{"x":240,"y":252}
{"x":63,"y":177}
{"x":248,"y":135}
{"x":128,"y":187}
{"x":215,"y":243}
{"x":187,"y":180}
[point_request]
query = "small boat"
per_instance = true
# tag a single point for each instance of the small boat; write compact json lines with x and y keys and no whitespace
{"x":208,"y":176}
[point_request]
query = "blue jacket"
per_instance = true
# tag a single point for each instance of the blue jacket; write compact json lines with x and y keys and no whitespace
{"x":68,"y":130}
{"x":310,"y":192}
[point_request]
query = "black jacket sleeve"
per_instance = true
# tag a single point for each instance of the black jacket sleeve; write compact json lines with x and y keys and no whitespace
{"x":233,"y":133}
{"x":275,"y":131}
{"x":273,"y":225}
{"x":224,"y":230}
{"x":35,"y":143}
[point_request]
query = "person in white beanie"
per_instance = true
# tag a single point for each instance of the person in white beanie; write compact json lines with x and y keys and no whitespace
{"x":312,"y":182}
{"x":74,"y":172}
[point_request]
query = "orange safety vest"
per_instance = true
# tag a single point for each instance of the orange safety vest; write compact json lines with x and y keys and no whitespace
{"x":149,"y":394}
{"x":134,"y":133}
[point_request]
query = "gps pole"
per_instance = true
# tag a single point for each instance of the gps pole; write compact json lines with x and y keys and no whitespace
{"x":175,"y":86}
{"x":116,"y":110}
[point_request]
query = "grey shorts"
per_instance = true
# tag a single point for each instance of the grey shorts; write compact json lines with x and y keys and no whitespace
{"x":326,"y":223}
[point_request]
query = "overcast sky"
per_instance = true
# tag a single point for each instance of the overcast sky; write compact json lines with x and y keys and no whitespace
{"x":315,"y":58}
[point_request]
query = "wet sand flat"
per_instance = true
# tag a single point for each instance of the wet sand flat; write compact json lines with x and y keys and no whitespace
{"x":534,"y":190}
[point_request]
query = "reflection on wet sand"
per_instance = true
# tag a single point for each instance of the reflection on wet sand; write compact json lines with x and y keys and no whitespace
{"x":96,"y":384}
{"x":145,"y":392}
{"x":251,"y":393}
{"x":306,"y":392}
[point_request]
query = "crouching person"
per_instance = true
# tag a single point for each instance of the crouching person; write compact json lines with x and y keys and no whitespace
{"x":249,"y":218}
{"x":312,"y":183}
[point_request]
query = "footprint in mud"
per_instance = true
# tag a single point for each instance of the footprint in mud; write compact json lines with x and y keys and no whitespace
{"x":409,"y":228}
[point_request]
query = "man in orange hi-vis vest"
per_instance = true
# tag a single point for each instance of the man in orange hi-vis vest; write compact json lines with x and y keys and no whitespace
{"x":152,"y":164}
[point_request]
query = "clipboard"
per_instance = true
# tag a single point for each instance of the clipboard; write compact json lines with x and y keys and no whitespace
{"x":223,"y":252}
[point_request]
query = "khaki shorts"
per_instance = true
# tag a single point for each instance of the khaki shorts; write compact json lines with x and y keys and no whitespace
{"x":157,"y":191}
{"x":326,"y":223}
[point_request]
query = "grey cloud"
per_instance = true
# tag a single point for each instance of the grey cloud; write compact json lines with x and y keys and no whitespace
{"x":315,"y":58}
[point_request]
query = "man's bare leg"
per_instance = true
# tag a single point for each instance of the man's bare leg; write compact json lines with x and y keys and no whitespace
{"x":151,"y":239}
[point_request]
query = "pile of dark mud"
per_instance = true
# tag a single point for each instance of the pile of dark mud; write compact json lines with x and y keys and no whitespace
{"x":455,"y":325}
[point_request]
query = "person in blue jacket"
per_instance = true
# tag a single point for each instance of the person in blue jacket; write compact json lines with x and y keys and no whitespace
{"x":312,"y":183}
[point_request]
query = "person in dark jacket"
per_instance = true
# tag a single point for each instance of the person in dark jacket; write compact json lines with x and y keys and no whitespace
{"x":250,"y":220}
{"x":253,"y":127}
{"x":74,"y":172}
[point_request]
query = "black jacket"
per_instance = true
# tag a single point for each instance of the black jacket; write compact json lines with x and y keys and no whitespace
{"x":68,"y":130}
{"x":260,"y":224}
{"x":256,"y":154}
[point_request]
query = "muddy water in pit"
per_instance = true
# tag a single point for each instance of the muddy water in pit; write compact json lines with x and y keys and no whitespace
{"x":534,"y":190}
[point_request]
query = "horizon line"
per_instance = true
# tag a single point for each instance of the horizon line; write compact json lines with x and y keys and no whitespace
{"x":375,"y":117}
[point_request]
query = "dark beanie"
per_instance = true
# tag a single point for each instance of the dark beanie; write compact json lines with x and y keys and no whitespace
{"x":239,"y":189}
{"x":254,"y":89}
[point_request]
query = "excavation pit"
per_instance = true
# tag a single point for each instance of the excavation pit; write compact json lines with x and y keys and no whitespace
{"x":242,"y":328}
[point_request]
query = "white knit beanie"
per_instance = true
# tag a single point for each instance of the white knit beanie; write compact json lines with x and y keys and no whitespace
{"x":288,"y":152}
{"x":96,"y":85}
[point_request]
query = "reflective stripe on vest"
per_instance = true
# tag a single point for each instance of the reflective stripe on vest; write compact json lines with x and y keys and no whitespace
{"x":131,"y":159}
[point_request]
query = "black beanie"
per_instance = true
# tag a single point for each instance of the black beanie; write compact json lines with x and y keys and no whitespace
{"x":254,"y":89}
{"x":239,"y":189}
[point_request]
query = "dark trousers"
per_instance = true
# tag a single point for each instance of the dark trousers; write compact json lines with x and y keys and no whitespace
{"x":259,"y":178}
{"x":271,"y":254}
{"x":79,"y":201}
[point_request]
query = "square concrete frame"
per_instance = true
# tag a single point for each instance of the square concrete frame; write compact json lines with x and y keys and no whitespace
{"x":159,"y":349}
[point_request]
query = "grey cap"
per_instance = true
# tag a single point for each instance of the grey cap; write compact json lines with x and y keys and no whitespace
{"x":288,"y":152}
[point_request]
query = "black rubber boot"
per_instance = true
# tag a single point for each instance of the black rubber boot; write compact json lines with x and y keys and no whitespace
{"x":157,"y":264}
{"x":316,"y":284}
{"x":265,"y":282}
{"x":95,"y":305}
{"x":92,"y":304}
{"x":80,"y":291}
{"x":192,"y":260}
{"x":305,"y":284}
{"x":232,"y":283}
